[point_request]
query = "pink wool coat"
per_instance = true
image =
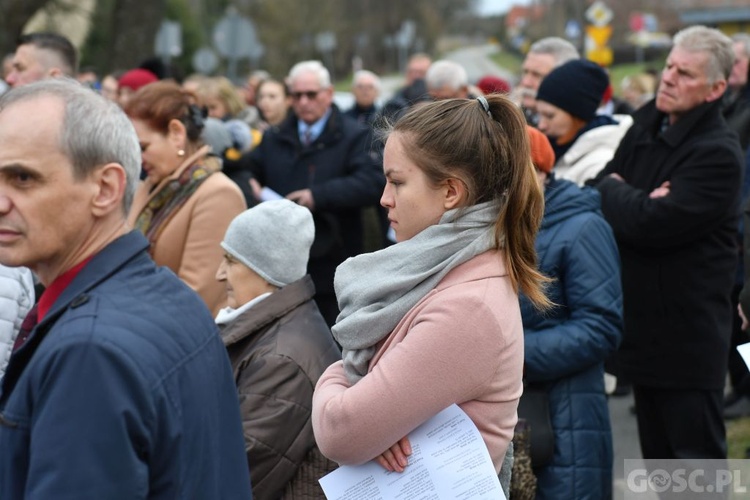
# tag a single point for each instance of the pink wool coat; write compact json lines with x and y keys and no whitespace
{"x":462,"y":343}
{"x":189,"y":244}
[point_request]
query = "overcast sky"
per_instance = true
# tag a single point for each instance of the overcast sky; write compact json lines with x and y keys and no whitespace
{"x":494,"y":7}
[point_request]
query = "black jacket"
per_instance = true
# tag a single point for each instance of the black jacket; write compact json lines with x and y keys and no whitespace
{"x":678,"y":252}
{"x":342,"y":173}
{"x":736,"y":111}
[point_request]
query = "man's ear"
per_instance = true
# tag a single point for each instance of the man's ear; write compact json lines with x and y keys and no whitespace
{"x":55,"y":73}
{"x":111,"y":182}
{"x":717,"y":90}
{"x":455,"y":193}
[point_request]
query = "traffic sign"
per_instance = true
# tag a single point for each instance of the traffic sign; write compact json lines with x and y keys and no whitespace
{"x":205,"y":60}
{"x":572,"y":29}
{"x":234,"y":36}
{"x":168,"y":42}
{"x":599,"y":14}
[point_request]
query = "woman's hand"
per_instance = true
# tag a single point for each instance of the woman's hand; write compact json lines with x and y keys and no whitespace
{"x":396,"y":458}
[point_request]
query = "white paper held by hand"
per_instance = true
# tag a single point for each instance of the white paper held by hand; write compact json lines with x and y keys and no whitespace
{"x":744,"y":350}
{"x":449,"y":461}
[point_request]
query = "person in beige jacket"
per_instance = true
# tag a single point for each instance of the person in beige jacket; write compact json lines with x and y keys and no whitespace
{"x":186,"y":203}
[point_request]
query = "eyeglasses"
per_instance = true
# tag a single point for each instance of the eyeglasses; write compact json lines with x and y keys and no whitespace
{"x":310,"y":94}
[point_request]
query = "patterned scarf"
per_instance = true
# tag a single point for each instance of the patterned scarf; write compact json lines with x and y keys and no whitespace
{"x":162,"y":207}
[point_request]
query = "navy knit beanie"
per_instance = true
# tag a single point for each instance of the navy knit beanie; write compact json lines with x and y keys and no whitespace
{"x":576,"y":87}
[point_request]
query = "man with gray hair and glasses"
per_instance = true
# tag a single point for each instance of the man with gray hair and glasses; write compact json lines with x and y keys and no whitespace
{"x":119,"y":385}
{"x":544,"y":55}
{"x":671,"y":195}
{"x":323,"y":160}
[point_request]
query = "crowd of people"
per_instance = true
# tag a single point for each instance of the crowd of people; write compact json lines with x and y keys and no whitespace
{"x":213,"y":291}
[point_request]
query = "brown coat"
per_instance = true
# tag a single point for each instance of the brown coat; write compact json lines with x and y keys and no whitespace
{"x":278,"y":349}
{"x":189,"y":244}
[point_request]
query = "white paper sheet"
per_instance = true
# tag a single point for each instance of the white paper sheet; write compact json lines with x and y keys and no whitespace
{"x":449,"y":461}
{"x":268,"y":194}
{"x":744,"y":350}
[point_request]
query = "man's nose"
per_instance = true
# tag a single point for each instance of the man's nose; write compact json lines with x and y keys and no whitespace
{"x":5,"y":203}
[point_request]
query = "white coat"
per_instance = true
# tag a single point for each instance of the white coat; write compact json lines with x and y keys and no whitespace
{"x":16,"y":299}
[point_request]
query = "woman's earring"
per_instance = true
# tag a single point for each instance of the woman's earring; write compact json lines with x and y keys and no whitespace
{"x":180,"y":152}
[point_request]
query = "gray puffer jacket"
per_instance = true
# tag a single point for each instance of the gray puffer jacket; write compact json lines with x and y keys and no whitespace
{"x":278,"y":349}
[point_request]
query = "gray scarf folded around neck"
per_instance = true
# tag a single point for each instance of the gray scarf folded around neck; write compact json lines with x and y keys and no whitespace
{"x":376,"y":290}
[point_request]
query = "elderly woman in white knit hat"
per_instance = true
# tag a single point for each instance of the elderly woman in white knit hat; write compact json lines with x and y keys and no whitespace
{"x":278,"y":344}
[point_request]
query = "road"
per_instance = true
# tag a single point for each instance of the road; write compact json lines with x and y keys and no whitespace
{"x":476,"y":60}
{"x":624,"y":440}
{"x":477,"y":63}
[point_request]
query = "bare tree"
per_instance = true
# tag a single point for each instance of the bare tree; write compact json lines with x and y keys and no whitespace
{"x":134,"y":27}
{"x":287,"y":28}
{"x":15,"y":15}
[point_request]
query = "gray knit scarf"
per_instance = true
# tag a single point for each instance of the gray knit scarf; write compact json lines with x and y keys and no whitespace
{"x":376,"y":290}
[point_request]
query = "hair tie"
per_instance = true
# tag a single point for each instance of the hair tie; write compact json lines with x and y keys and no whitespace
{"x":483,"y":101}
{"x":197,"y":115}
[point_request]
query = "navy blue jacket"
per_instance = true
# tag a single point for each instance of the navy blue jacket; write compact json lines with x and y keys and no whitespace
{"x":565,"y":348}
{"x":123,"y":391}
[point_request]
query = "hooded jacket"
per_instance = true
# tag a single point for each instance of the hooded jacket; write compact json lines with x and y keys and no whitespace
{"x":591,"y":151}
{"x":565,"y":348}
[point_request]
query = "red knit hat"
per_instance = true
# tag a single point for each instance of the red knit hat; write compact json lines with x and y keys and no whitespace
{"x":493,"y":85}
{"x":542,"y":155}
{"x":137,"y":78}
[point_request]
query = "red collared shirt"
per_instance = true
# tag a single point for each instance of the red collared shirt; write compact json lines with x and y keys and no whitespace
{"x":57,"y":287}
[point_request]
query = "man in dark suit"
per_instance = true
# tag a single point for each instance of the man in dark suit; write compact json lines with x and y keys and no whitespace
{"x":322,"y":160}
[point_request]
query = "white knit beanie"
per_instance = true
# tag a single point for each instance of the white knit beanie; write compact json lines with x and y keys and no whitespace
{"x":273,"y":239}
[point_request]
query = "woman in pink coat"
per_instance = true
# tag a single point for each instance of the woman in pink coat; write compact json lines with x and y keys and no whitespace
{"x":434,"y":320}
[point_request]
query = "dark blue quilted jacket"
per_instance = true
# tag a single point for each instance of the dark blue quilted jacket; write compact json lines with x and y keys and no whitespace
{"x":565,"y":348}
{"x":124,"y":390}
